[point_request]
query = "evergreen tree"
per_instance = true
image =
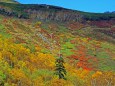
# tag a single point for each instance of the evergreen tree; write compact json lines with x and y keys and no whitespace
{"x":60,"y":69}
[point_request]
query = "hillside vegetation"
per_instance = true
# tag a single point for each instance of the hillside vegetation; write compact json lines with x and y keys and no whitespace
{"x":45,"y":52}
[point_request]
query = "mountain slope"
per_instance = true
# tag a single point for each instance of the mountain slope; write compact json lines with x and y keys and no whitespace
{"x":33,"y":37}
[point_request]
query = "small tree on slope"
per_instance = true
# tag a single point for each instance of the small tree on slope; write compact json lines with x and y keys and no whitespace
{"x":60,"y":69}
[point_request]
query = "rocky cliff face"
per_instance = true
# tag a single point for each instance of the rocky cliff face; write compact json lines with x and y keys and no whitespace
{"x":42,"y":12}
{"x":55,"y":15}
{"x":47,"y":12}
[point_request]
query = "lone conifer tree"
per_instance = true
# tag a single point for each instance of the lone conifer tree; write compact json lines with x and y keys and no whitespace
{"x":60,"y":69}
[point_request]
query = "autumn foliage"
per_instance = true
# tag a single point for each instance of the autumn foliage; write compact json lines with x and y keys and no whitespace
{"x":27,"y":59}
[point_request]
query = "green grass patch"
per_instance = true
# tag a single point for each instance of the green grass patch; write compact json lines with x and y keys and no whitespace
{"x":68,"y":45}
{"x":66,"y":48}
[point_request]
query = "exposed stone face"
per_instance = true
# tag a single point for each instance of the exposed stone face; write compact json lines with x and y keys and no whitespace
{"x":55,"y":15}
{"x":46,"y":13}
